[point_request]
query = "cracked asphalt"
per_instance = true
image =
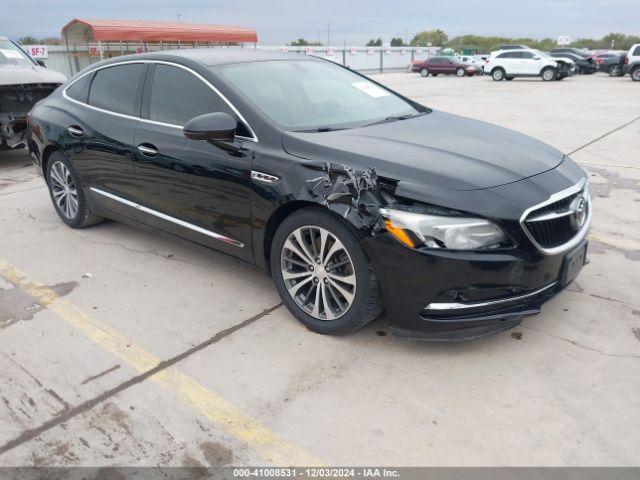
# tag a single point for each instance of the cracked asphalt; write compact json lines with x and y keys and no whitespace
{"x":119,"y":347}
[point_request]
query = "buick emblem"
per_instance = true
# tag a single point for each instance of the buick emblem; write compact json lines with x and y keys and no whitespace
{"x":578,"y":212}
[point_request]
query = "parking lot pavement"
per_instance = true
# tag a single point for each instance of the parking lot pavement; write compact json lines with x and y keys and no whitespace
{"x":121,"y":347}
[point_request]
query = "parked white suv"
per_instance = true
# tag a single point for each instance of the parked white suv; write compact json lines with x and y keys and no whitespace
{"x":632,"y":63}
{"x":508,"y":64}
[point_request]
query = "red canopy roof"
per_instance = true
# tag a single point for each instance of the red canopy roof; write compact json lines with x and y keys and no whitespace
{"x":83,"y":31}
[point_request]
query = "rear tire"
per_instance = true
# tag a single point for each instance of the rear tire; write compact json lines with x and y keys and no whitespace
{"x":67,"y":194}
{"x":498,"y":74}
{"x":460,"y":72}
{"x":296,"y":253}
{"x":424,"y":72}
{"x":635,"y":74}
{"x":614,"y":70}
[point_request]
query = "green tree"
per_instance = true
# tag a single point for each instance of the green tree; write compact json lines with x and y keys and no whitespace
{"x":437,"y":38}
{"x":51,"y":41}
{"x":28,"y":40}
{"x":397,"y":42}
{"x":375,"y":42}
{"x":301,"y":42}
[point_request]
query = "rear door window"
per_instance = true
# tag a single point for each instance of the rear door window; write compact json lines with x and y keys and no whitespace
{"x":116,"y":88}
{"x":636,"y":52}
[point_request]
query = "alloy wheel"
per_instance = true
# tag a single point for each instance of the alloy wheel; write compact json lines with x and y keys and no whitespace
{"x":64,"y":190}
{"x":548,"y":74}
{"x":635,"y":75}
{"x":318,"y":272}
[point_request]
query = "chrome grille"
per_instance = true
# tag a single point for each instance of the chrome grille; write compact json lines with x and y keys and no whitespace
{"x":553,"y":224}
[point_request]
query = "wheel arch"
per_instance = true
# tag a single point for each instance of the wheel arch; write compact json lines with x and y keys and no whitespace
{"x":275,"y":220}
{"x":46,"y":155}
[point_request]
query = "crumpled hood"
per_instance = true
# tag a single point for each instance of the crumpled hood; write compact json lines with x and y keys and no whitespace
{"x":19,"y":74}
{"x":437,"y":149}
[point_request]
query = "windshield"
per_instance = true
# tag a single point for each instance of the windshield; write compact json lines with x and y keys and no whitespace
{"x":12,"y":55}
{"x":311,"y":95}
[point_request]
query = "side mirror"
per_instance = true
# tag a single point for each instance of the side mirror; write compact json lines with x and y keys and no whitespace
{"x":536,"y":58}
{"x":41,"y":63}
{"x":217,"y":126}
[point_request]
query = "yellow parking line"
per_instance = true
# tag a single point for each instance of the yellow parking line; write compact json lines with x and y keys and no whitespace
{"x":218,"y":410}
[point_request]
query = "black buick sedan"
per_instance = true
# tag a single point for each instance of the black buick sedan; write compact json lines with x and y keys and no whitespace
{"x":354,"y":198}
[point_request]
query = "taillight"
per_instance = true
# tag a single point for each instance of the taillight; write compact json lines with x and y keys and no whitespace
{"x":626,"y":61}
{"x":28,"y":117}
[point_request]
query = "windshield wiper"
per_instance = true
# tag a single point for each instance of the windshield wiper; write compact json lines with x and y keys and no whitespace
{"x":393,"y":118}
{"x":320,"y":129}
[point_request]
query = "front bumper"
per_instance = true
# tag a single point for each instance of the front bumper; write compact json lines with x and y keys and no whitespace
{"x":457,"y":295}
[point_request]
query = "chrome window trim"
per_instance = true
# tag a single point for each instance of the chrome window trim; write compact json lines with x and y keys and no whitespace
{"x":460,"y":306}
{"x":582,"y":184}
{"x":168,"y":218}
{"x":254,"y":137}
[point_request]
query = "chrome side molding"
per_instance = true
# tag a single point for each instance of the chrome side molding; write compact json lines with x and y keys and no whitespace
{"x":460,"y":306}
{"x":168,"y":218}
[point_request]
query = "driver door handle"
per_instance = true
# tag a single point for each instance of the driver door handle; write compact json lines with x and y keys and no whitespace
{"x":147,"y":150}
{"x":75,"y":131}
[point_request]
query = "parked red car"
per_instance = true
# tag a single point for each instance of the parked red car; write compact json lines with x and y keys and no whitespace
{"x":446,"y":65}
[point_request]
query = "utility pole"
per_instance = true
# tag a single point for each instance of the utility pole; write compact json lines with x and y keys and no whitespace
{"x":406,"y":36}
{"x":328,"y":38}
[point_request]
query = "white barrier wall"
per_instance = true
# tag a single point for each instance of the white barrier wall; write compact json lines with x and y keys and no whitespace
{"x":364,"y":59}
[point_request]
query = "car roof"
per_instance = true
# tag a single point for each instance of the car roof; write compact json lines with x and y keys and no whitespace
{"x":224,"y":56}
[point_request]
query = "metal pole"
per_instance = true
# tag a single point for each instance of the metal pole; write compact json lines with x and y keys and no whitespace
{"x":66,"y":42}
{"x":100,"y":48}
{"x":381,"y":62}
{"x":121,"y":49}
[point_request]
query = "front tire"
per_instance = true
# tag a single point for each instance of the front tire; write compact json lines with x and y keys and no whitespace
{"x":322,"y":273}
{"x":548,"y":74}
{"x":497,"y":74}
{"x":635,"y":74}
{"x":66,"y":193}
{"x":460,"y":72}
{"x":424,"y":72}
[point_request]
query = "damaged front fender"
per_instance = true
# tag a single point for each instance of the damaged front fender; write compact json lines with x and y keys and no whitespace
{"x":353,"y":194}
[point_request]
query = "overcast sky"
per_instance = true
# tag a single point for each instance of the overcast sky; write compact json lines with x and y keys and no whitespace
{"x":351,"y":21}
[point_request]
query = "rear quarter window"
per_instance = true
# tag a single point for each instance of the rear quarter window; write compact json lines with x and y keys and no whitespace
{"x":636,"y":51}
{"x":79,"y":90}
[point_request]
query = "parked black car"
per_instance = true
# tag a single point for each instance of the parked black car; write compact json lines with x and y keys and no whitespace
{"x":610,"y":62}
{"x":354,"y":197}
{"x":585,"y":65}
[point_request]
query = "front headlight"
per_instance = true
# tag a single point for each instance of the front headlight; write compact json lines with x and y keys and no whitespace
{"x":438,"y":231}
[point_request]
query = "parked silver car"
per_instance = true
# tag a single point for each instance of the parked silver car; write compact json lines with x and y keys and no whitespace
{"x":23,"y":82}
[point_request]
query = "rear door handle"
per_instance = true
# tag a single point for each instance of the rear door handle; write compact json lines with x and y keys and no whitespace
{"x":148,"y":150}
{"x":75,"y":131}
